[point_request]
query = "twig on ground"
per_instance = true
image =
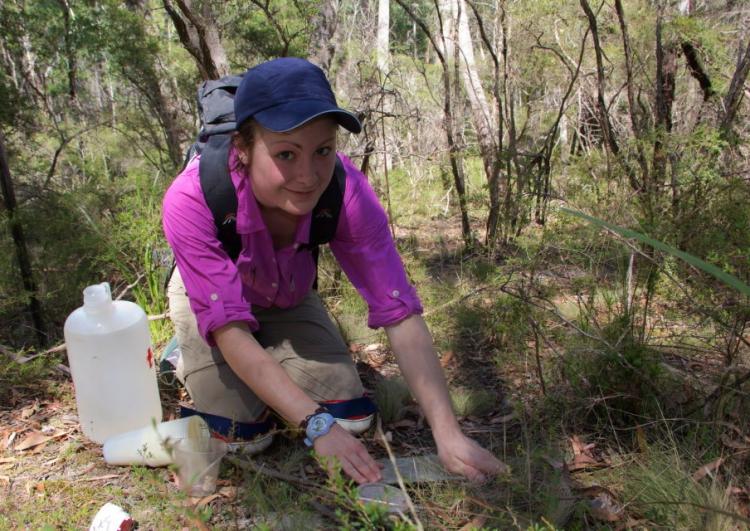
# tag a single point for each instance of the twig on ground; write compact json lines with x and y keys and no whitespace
{"x":276,"y":474}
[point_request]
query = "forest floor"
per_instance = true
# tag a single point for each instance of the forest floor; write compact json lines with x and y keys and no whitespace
{"x":573,"y":463}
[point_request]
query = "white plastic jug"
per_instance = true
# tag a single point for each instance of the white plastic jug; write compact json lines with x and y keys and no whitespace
{"x":113,"y":366}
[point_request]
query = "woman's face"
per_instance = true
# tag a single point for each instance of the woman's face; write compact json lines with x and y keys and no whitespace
{"x":289,"y":171}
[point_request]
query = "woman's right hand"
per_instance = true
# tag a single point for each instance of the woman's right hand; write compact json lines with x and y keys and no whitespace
{"x":355,"y":461}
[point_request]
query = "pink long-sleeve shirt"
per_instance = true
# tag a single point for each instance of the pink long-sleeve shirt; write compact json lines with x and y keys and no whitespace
{"x":221,"y":291}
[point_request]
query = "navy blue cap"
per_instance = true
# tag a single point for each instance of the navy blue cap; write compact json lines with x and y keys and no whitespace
{"x":285,"y":93}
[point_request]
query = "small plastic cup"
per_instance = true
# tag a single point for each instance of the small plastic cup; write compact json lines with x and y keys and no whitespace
{"x":198,"y":465}
{"x":151,"y":445}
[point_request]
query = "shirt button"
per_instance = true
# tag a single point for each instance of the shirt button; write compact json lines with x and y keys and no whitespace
{"x":214,"y":297}
{"x":274,"y":285}
{"x":395,"y":293}
{"x":268,"y":298}
{"x":296,"y":246}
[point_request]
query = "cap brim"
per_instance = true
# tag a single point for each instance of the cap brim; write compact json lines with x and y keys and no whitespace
{"x":291,"y":115}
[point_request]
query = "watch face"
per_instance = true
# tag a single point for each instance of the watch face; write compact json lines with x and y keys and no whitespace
{"x":317,"y":424}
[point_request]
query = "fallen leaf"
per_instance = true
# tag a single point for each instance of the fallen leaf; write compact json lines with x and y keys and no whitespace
{"x":4,"y":460}
{"x":229,"y":493}
{"x":10,"y":439}
{"x":603,"y":503}
{"x":446,"y":358}
{"x":708,"y":468}
{"x":28,"y":411}
{"x":35,"y":438}
{"x":376,"y":358}
{"x":582,"y":462}
{"x":202,"y":502}
{"x":476,"y":523}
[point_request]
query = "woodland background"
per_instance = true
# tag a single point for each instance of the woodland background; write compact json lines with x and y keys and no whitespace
{"x":489,"y":127}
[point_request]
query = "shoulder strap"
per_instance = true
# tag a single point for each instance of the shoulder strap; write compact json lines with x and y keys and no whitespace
{"x":218,"y":189}
{"x":221,"y":198}
{"x":325,"y":214}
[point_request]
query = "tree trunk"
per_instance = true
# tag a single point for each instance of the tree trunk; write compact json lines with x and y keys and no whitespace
{"x":454,"y":153}
{"x":382,"y":45}
{"x":482,"y":117}
{"x":19,"y":241}
{"x":70,"y":52}
{"x":666,"y":67}
{"x":322,"y":41}
{"x":735,"y":93}
{"x":200,"y":36}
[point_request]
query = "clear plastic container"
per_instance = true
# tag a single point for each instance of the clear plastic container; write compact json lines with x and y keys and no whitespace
{"x":112,"y":363}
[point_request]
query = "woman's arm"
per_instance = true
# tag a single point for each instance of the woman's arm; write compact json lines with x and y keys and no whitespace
{"x":272,"y":385}
{"x":412,"y":343}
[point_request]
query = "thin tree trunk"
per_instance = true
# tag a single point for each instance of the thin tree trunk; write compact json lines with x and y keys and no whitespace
{"x":666,"y":67}
{"x":70,"y":52}
{"x":454,"y":153}
{"x":630,"y":85}
{"x":19,"y":241}
{"x":484,"y":123}
{"x":735,"y":93}
{"x":609,"y":138}
{"x":382,"y":44}
{"x":200,"y":37}
{"x":322,"y":40}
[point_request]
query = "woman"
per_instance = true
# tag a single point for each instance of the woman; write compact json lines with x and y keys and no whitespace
{"x":255,"y":334}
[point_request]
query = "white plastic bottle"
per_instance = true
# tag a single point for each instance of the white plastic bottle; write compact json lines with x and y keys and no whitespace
{"x":113,"y":366}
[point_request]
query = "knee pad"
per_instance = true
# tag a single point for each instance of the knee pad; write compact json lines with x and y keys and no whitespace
{"x":354,"y":415}
{"x":245,"y":437}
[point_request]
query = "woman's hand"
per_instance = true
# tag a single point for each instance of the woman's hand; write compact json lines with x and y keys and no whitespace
{"x":462,"y":455}
{"x":355,"y":461}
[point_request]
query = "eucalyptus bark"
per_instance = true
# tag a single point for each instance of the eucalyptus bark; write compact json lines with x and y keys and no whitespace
{"x":19,"y":242}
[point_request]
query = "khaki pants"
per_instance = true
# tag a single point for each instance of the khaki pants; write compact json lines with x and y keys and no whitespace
{"x":302,"y":339}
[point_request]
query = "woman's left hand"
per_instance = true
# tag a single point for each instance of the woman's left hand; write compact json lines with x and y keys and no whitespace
{"x":462,"y":455}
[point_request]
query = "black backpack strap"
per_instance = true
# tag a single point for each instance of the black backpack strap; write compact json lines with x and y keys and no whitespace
{"x":218,"y":189}
{"x":325,"y":214}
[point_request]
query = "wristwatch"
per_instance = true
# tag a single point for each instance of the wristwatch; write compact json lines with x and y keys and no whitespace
{"x":317,"y":425}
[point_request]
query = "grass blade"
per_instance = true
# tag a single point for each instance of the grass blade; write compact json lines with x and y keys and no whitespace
{"x":726,"y":278}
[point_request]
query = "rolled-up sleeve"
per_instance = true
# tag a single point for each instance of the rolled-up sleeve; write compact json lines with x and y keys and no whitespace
{"x":211,"y":279}
{"x":367,"y":254}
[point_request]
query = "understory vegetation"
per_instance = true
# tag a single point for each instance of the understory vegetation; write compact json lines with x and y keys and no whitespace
{"x":589,"y":299}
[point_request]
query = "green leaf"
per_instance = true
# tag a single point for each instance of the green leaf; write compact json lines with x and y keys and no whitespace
{"x":729,"y":280}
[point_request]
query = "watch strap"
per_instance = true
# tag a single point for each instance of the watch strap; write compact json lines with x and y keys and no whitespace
{"x":306,"y":420}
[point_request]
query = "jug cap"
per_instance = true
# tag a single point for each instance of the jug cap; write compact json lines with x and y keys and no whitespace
{"x":97,"y":297}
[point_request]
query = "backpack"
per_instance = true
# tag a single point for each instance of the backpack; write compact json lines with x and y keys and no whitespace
{"x":216,"y":111}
